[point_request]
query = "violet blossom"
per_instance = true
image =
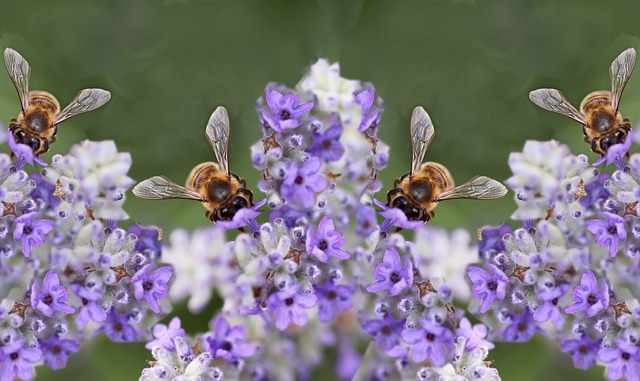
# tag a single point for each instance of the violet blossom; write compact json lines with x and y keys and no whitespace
{"x":51,"y":297}
{"x":326,"y":243}
{"x":390,"y":275}
{"x":285,"y":110}
{"x":31,"y":232}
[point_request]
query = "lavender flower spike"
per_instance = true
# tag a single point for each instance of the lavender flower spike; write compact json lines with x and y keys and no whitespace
{"x":285,"y":110}
{"x":587,"y":298}
{"x":326,"y":243}
{"x":609,"y":232}
{"x":390,"y":274}
{"x":51,"y":298}
{"x":151,"y":286}
{"x":488,"y":287}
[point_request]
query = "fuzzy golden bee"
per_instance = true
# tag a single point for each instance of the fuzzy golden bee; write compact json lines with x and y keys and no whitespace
{"x":602,"y":124}
{"x":418,"y":192}
{"x":221,"y":192}
{"x":37,"y":124}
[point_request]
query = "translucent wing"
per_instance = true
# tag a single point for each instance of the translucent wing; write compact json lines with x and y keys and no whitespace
{"x":620,"y":71}
{"x":218,"y":134}
{"x":85,"y":101}
{"x":19,"y":72}
{"x":421,"y":134}
{"x":161,"y":188}
{"x":554,"y":101}
{"x":479,"y":187}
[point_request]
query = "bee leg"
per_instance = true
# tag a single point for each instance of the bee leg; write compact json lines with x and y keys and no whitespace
{"x":210,"y":216}
{"x":45,"y":144}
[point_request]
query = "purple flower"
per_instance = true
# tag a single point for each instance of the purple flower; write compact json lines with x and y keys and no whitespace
{"x":395,"y":217}
{"x":302,"y":184}
{"x":622,"y":360}
{"x":549,"y":308}
{"x":587,"y":297}
{"x":327,"y":146}
{"x":57,"y":350}
{"x":288,"y":306}
{"x":474,"y":334}
{"x":118,"y":329}
{"x":24,"y":153}
{"x":583,"y":351}
{"x":386,"y":332}
{"x":326,"y":243}
{"x":522,"y":328}
{"x":370,"y":115}
{"x":616,"y":154}
{"x":390,"y":274}
{"x":17,"y":361}
{"x":333,"y":297}
{"x":488,"y":287}
{"x":609,"y":232}
{"x":492,"y":238}
{"x":285,"y":110}
{"x":151,"y":286}
{"x":228,"y":343}
{"x":148,"y":238}
{"x":243,"y":217}
{"x":51,"y":297}
{"x":595,"y":190}
{"x":30,"y":231}
{"x":366,"y":221}
{"x":431,"y":341}
{"x":165,"y":334}
{"x":90,"y":309}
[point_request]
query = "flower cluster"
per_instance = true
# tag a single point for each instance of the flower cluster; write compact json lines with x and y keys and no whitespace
{"x":319,"y":274}
{"x":570,"y":272}
{"x":67,"y":272}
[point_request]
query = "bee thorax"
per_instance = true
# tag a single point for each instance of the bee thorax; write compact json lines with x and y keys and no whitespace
{"x":218,"y":190}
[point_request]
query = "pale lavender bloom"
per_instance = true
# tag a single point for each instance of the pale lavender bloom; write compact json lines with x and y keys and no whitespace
{"x":386,"y":331}
{"x":51,"y":298}
{"x":147,"y":238}
{"x":326,"y":243}
{"x":616,"y":154}
{"x":24,"y":153}
{"x":288,"y":306}
{"x":165,"y":334}
{"x":226,"y":342}
{"x":30,"y":232}
{"x":118,"y":328}
{"x":488,"y":287}
{"x":522,"y":327}
{"x":370,"y":115}
{"x":57,"y":350}
{"x":303,"y":183}
{"x":584,"y":351}
{"x":430,"y":342}
{"x":587,"y":297}
{"x":390,"y":274}
{"x":549,"y":308}
{"x":285,"y":110}
{"x":622,"y":361}
{"x":333,"y":297}
{"x":366,"y":221}
{"x":90,"y":309}
{"x":17,"y":361}
{"x":474,"y":335}
{"x":151,"y":286}
{"x":609,"y":232}
{"x":327,"y":145}
{"x":492,"y":238}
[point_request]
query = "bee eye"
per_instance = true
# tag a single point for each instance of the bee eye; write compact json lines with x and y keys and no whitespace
{"x":605,"y":143}
{"x":20,"y":134}
{"x":34,"y":143}
{"x":399,"y":202}
{"x":239,"y":202}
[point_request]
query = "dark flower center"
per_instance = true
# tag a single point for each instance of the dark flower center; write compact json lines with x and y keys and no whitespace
{"x":583,"y":349}
{"x":395,"y":277}
{"x":326,"y":144}
{"x":522,"y":327}
{"x":47,"y":299}
{"x":492,"y":285}
{"x":299,"y":180}
{"x":118,"y":327}
{"x":323,"y":245}
{"x":288,"y":301}
{"x":331,"y":295}
{"x":430,"y":336}
{"x":27,"y":230}
{"x":625,"y":356}
{"x":56,"y":349}
{"x":14,"y":356}
{"x":226,"y":346}
{"x":147,"y":285}
{"x":285,"y":114}
{"x":385,"y":330}
{"x":84,"y":301}
{"x":592,"y":299}
{"x":555,"y":301}
{"x":612,"y":230}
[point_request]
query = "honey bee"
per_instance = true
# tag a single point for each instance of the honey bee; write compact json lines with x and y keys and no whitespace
{"x":37,"y":124}
{"x":602,"y":124}
{"x":418,"y":192}
{"x":221,"y":192}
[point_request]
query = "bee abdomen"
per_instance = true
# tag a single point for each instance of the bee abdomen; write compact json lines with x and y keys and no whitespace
{"x":44,"y":100}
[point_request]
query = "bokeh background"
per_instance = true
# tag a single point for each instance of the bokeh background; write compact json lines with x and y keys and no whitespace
{"x":169,"y":63}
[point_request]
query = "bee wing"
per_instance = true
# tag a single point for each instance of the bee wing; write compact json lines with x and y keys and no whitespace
{"x":85,"y":101}
{"x":479,"y":188}
{"x":620,"y":71}
{"x":218,"y":134}
{"x":19,"y":72}
{"x":422,"y":132}
{"x":554,"y":101}
{"x":161,"y":188}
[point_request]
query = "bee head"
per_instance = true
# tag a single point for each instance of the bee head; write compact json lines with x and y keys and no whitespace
{"x":38,"y":144}
{"x":602,"y":145}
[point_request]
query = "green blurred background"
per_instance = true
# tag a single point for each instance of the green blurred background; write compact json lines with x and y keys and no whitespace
{"x":169,"y":63}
